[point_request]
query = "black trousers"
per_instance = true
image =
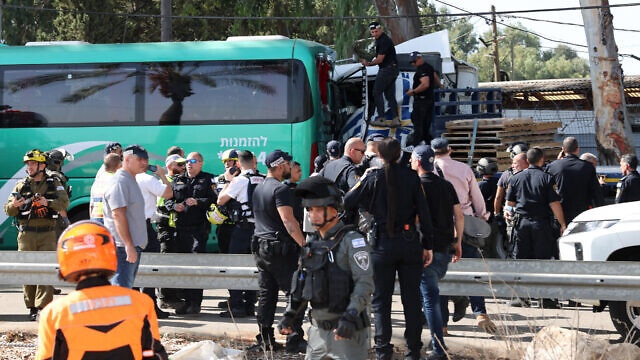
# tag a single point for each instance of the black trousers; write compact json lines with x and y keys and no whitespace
{"x":191,"y":240}
{"x":274,"y":274}
{"x":535,"y":239}
{"x":240,"y":243}
{"x":421,"y":117}
{"x":401,"y":254}
{"x":223,"y":234}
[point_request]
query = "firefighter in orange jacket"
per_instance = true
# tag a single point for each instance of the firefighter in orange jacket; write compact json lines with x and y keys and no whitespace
{"x":98,"y":320}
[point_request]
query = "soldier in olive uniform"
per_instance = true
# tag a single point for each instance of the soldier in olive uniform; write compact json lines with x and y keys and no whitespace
{"x":36,"y":202}
{"x":341,"y":289}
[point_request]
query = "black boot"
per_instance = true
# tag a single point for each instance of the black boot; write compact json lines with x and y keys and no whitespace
{"x":265,"y":341}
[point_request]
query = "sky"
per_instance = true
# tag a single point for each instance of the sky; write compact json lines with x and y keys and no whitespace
{"x":627,"y":17}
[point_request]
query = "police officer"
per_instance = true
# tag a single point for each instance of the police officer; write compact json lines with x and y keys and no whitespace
{"x":224,"y":230}
{"x":165,"y":221}
{"x":192,"y":196}
{"x":275,"y":246}
{"x":576,"y":180}
{"x":386,"y":78}
{"x":36,"y":202}
{"x":503,"y":183}
{"x":487,"y":167}
{"x":425,"y":81}
{"x":83,"y":323}
{"x":629,"y":184}
{"x":340,"y":257}
{"x":535,"y":202}
{"x":55,"y":160}
{"x":444,"y":208}
{"x":342,"y":171}
{"x":237,"y":195}
{"x":394,"y":196}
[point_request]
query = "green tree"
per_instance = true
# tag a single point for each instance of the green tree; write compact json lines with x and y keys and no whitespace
{"x":21,"y":25}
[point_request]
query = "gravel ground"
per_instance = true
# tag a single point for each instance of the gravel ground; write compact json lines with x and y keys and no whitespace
{"x":22,"y":345}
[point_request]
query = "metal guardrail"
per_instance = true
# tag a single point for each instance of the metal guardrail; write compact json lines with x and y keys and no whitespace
{"x":488,"y":277}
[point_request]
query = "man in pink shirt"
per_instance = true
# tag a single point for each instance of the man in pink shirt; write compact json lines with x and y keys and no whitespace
{"x":471,"y":200}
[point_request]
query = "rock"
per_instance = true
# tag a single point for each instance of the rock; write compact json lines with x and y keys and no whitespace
{"x":556,"y":343}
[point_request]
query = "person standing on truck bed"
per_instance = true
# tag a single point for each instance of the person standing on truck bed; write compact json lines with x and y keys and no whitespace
{"x":425,"y":80}
{"x":386,"y":77}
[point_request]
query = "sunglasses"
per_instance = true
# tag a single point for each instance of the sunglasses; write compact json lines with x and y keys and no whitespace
{"x":192,"y":161}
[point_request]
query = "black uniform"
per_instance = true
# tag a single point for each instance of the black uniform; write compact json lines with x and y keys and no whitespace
{"x":488,"y":188}
{"x":276,"y":255}
{"x":400,"y":251}
{"x":628,"y":188}
{"x":386,"y":78}
{"x":422,"y":113}
{"x":533,"y":190}
{"x":224,"y":230}
{"x":577,"y":185}
{"x":192,"y":226}
{"x":242,"y":302}
{"x":342,"y":172}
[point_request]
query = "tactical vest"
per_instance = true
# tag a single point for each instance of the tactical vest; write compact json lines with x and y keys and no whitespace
{"x":163,"y":216}
{"x":27,"y":210}
{"x":238,"y":211}
{"x":319,"y":279}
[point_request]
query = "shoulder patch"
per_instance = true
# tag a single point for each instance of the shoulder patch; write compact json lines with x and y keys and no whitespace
{"x":358,"y":242}
{"x":362,"y":259}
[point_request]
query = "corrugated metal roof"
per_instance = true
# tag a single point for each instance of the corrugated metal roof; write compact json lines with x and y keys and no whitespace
{"x":544,"y":85}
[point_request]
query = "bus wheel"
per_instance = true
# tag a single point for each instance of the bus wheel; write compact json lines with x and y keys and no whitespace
{"x":625,"y":316}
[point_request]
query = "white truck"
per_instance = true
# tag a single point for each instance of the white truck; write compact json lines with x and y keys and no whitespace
{"x":608,"y":233}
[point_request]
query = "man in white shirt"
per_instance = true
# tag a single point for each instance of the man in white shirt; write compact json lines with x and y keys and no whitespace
{"x":152,"y":188}
{"x":236,"y":196}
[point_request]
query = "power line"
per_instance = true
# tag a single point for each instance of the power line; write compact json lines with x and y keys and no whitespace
{"x":562,"y":23}
{"x":517,"y":28}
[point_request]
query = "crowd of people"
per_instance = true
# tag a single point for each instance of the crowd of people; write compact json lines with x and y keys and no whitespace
{"x":334,"y":243}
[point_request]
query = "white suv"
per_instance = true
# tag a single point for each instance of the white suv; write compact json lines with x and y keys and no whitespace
{"x":608,"y":233}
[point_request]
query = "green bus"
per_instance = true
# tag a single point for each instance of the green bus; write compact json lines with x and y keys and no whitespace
{"x":255,"y":93}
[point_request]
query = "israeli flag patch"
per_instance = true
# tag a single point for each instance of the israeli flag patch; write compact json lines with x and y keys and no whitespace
{"x":362,"y":260}
{"x":358,"y":243}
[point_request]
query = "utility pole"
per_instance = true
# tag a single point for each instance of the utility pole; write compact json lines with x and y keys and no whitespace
{"x":165,"y":20}
{"x":496,"y":58}
{"x":612,"y":128}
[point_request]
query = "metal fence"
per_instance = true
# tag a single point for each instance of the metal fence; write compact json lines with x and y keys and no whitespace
{"x":486,"y":277}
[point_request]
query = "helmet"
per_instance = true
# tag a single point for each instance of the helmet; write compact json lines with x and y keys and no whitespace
{"x":86,"y":247}
{"x":231,"y":154}
{"x":516,"y":148}
{"x":217,"y":214}
{"x":35,"y":155}
{"x":55,"y":158}
{"x":487,"y":166}
{"x":319,"y":191}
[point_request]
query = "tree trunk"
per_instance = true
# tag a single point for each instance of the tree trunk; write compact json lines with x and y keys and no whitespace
{"x":612,"y":128}
{"x":403,"y":28}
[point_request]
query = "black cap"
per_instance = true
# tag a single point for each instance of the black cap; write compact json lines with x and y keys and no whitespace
{"x":375,"y":137}
{"x":333,"y":148}
{"x":425,"y":155}
{"x":276,"y":157}
{"x":439,"y":144}
{"x":414,"y":56}
{"x":136,"y":150}
{"x":374,"y":25}
{"x":111,"y":147}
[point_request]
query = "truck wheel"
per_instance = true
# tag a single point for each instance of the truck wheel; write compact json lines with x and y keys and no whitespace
{"x":625,"y":316}
{"x":496,"y":246}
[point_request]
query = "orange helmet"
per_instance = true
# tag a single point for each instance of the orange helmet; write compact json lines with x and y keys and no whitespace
{"x":86,"y":247}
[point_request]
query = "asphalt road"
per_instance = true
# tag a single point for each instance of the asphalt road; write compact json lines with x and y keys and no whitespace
{"x":516,"y":326}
